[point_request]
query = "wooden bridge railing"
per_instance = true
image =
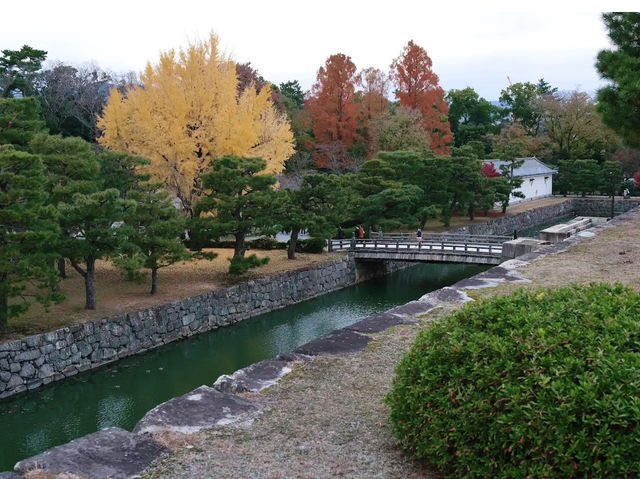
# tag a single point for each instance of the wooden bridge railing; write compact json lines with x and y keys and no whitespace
{"x":495,"y":239}
{"x":468,"y":245}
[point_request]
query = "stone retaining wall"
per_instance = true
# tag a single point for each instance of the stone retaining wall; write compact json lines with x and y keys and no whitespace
{"x":602,"y":206}
{"x":538,"y":216}
{"x":33,"y":361}
{"x":520,"y":221}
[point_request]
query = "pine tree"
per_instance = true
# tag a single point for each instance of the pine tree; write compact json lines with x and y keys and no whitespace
{"x":71,"y":167}
{"x":27,"y":227}
{"x":156,"y":227}
{"x":92,"y":222}
{"x":317,"y":205}
{"x":238,"y":200}
{"x":19,"y":121}
{"x":619,"y":102}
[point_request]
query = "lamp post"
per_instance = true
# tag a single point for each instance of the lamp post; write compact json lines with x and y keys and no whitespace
{"x":611,"y":178}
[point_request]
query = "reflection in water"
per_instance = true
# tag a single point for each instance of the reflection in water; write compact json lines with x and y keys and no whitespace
{"x":120,"y":394}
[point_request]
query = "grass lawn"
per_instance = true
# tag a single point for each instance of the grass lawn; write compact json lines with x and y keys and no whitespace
{"x":116,"y":296}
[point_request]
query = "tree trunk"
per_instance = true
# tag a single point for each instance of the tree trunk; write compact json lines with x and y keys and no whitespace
{"x":154,"y":280}
{"x":293,"y":242}
{"x":452,"y":206}
{"x":89,"y":284}
{"x":62,"y":270}
{"x":239,"y":247}
{"x":472,"y":212}
{"x":4,"y":302}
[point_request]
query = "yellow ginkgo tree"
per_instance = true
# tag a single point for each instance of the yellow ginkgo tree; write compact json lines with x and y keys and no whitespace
{"x":187,"y":111}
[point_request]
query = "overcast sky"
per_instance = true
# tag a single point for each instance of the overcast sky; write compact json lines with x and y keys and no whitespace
{"x":475,"y":44}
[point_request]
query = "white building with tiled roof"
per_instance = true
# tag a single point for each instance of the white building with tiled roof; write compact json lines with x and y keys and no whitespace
{"x":537,"y":178}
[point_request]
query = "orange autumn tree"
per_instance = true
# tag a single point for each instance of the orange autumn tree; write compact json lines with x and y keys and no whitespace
{"x":417,"y":87}
{"x":335,"y":115}
{"x":188,"y":111}
{"x":374,"y":85}
{"x":372,"y":96}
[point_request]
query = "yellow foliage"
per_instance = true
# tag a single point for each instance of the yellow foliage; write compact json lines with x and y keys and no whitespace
{"x":187,"y":112}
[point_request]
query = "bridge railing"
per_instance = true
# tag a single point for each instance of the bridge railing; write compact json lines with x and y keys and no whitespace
{"x":440,"y":237}
{"x":468,"y":246}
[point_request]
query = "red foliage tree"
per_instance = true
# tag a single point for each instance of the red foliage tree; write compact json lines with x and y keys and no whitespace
{"x":335,"y":115}
{"x":489,"y":170}
{"x":249,"y":76}
{"x":636,"y":178}
{"x":417,"y":87}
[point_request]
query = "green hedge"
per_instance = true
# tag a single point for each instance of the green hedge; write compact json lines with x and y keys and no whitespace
{"x":311,"y":245}
{"x":266,"y":243}
{"x":537,"y":384}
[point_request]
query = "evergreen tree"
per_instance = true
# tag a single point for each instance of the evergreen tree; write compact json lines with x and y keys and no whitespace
{"x":237,"y":200}
{"x":121,"y":171}
{"x":71,"y":167}
{"x":564,"y":181}
{"x":27,"y":227}
{"x":620,"y":100}
{"x":92,"y":221}
{"x":18,"y":69}
{"x":318,"y":205}
{"x":19,"y":121}
{"x":588,"y":176}
{"x":156,"y":227}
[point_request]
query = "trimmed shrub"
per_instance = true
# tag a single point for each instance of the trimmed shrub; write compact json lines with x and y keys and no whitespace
{"x":312,"y":245}
{"x":241,"y":264}
{"x":197,"y":242}
{"x":540,"y":384}
{"x":266,"y":243}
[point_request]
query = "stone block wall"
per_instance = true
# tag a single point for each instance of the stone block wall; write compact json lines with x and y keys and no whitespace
{"x":602,"y":206}
{"x":529,"y":219}
{"x":520,"y":221}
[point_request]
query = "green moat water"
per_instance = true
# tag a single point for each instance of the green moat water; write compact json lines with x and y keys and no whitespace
{"x":120,"y":394}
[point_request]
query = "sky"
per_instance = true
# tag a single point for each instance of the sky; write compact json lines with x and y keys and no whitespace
{"x":477,"y":44}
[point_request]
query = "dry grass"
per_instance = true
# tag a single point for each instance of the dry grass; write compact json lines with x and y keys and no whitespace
{"x":327,"y":419}
{"x":612,"y":257}
{"x":117,"y":296}
{"x":532,"y":205}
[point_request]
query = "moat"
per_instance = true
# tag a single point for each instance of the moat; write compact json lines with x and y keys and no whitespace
{"x":121,"y":393}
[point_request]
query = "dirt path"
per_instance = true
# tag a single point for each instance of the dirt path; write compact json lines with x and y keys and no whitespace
{"x":328,"y":418}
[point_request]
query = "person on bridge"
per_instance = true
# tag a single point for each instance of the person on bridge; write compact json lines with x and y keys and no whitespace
{"x":419,"y":235}
{"x":340,"y":233}
{"x":361,"y":232}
